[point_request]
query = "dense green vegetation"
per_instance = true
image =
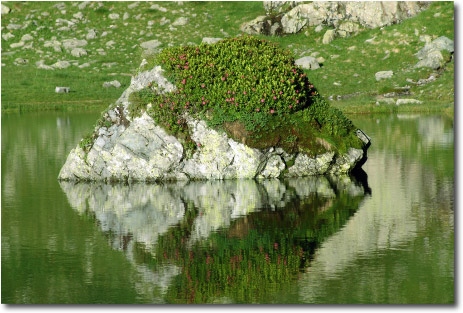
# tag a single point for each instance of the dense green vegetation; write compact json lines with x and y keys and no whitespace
{"x":250,"y":88}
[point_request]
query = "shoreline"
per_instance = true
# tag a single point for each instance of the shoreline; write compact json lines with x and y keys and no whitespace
{"x":99,"y":105}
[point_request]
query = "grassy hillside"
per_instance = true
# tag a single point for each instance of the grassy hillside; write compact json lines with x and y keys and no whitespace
{"x":348,"y":73}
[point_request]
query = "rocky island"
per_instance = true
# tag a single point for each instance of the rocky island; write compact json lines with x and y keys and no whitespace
{"x":237,"y":108}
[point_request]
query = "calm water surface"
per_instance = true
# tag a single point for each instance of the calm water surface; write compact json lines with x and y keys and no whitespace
{"x":384,"y":236}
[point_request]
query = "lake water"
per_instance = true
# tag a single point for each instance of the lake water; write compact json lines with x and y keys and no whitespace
{"x":383,"y":236}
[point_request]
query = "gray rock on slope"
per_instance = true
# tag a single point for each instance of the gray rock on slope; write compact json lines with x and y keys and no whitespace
{"x":27,"y":37}
{"x":431,"y":56}
{"x":61,"y":65}
{"x":21,"y":61}
{"x":308,"y":63}
{"x":114,"y":83}
{"x":133,"y":5}
{"x":408,"y":101}
{"x":254,"y":27}
{"x":5,"y":9}
{"x":62,"y":89}
{"x":150,"y":45}
{"x":78,"y":52}
{"x":181,"y":21}
{"x":56,"y":45}
{"x":319,"y":28}
{"x":265,"y":25}
{"x":41,"y":65}
{"x":383,"y":75}
{"x":7,"y":36}
{"x":211,"y":40}
{"x":136,"y":149}
{"x":78,"y":15}
{"x":434,"y":59}
{"x":293,"y":21}
{"x":13,"y":26}
{"x":17,"y":44}
{"x":91,"y":34}
{"x":278,"y":6}
{"x":329,"y":36}
{"x":73,"y":43}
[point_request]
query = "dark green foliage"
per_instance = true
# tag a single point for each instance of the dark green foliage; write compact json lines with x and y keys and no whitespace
{"x":239,"y":74}
{"x":332,"y":120}
{"x":245,"y":80}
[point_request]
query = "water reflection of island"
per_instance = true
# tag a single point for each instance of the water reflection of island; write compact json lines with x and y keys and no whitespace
{"x":238,"y":240}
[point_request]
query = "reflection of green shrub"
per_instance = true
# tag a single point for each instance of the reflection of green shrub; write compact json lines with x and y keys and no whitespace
{"x":244,"y":80}
{"x":254,"y":257}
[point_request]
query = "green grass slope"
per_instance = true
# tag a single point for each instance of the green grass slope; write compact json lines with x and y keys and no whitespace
{"x":348,"y":73}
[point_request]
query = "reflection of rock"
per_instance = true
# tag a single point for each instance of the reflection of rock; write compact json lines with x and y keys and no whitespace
{"x":434,"y":132}
{"x":144,"y":211}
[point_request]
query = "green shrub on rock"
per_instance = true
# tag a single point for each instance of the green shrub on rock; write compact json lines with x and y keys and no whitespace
{"x":242,"y":80}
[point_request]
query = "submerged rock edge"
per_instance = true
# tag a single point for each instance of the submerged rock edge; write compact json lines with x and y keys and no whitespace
{"x":139,"y":150}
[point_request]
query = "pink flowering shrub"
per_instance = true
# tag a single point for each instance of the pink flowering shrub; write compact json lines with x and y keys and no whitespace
{"x":243,"y":79}
{"x":239,"y":75}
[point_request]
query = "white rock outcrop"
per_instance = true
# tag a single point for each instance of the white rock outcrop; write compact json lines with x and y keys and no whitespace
{"x":136,"y":149}
{"x":292,"y":16}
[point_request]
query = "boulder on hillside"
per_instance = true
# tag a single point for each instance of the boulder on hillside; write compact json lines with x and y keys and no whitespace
{"x":181,"y":21}
{"x":278,"y":6}
{"x":62,"y":89}
{"x":5,"y":9}
{"x":431,"y":56}
{"x":114,"y":83}
{"x":308,"y":63}
{"x":265,"y":25}
{"x":61,"y":64}
{"x":369,"y":14}
{"x":329,"y":36}
{"x":383,"y":75}
{"x":210,"y":40}
{"x":78,"y":52}
{"x":74,"y":43}
{"x":150,"y":45}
